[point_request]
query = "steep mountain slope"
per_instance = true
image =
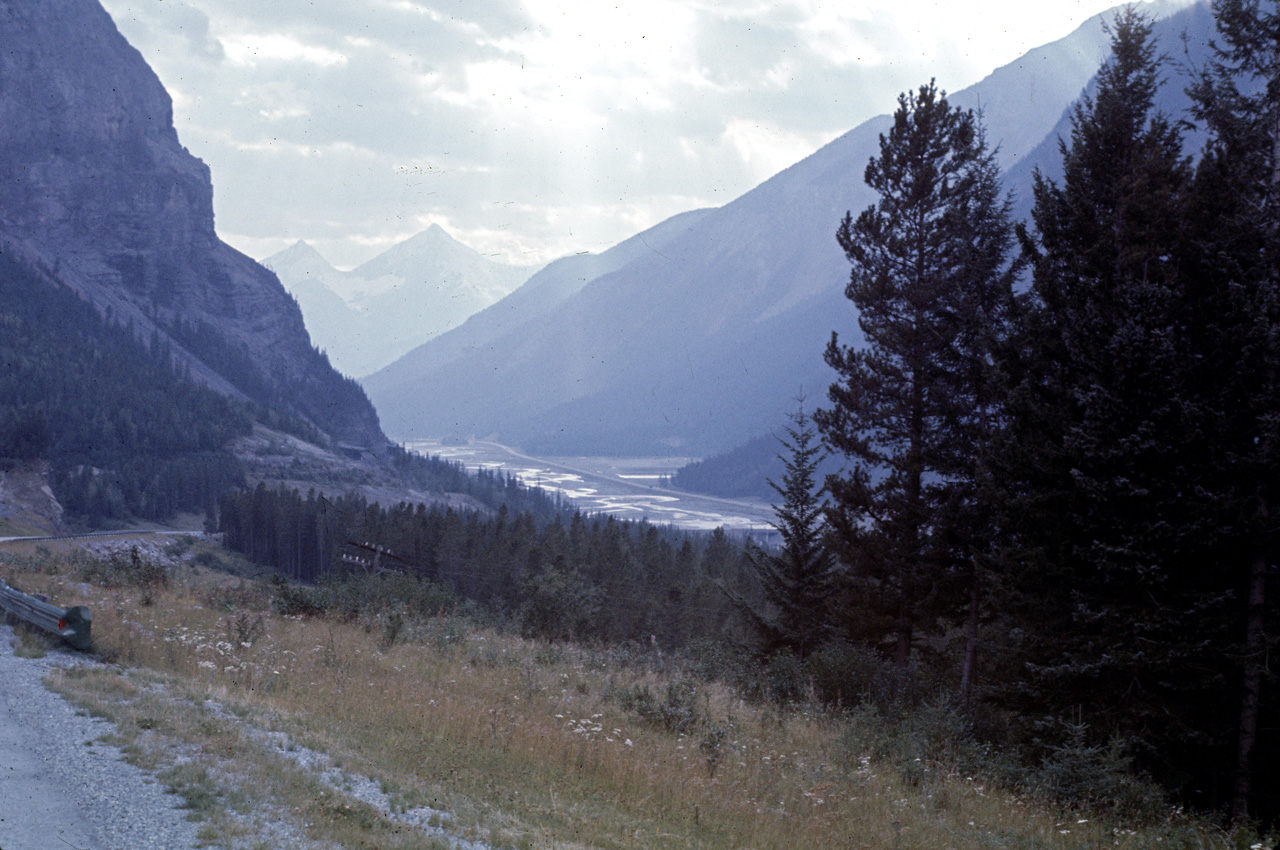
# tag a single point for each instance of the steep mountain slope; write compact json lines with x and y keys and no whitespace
{"x":704,"y":343}
{"x":368,"y":317}
{"x":98,"y":195}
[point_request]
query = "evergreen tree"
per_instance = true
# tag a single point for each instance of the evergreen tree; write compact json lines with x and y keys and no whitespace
{"x":1115,"y":520}
{"x":1237,"y":97}
{"x":929,"y":282}
{"x":796,"y":580}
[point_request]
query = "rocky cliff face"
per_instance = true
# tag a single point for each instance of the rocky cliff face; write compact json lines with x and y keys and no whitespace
{"x":27,"y":503}
{"x":97,"y":191}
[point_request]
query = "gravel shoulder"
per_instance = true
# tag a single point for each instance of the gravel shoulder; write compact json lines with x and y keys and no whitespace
{"x":60,"y":786}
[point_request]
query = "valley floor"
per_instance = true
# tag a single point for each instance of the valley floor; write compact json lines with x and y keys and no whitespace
{"x":628,"y":488}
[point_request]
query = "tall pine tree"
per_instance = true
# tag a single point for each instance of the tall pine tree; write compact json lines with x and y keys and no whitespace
{"x":796,"y":580}
{"x":928,"y":281}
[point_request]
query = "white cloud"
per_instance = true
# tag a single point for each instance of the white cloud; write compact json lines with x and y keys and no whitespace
{"x":767,"y":148}
{"x":253,"y":48}
{"x":531,"y":128}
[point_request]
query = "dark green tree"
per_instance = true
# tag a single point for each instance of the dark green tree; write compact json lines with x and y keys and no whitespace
{"x":930,"y":283}
{"x":796,"y":580}
{"x":1115,"y":516}
{"x":1237,"y":98}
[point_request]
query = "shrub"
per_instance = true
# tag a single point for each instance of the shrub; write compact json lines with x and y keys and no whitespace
{"x":1077,"y":774}
{"x":784,"y":679}
{"x":937,"y":735}
{"x":718,"y":661}
{"x":355,"y":597}
{"x":677,"y":712}
{"x":558,"y":605}
{"x":121,"y":569}
{"x":291,"y":600}
{"x":846,"y":675}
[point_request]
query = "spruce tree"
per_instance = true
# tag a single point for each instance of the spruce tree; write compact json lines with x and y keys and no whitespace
{"x":930,"y":285}
{"x":1237,"y":97}
{"x":1115,"y":517}
{"x":796,"y":580}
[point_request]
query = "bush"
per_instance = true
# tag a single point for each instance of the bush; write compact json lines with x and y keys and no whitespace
{"x":937,"y":735}
{"x":844,"y":675}
{"x":677,"y":712}
{"x":120,"y":569}
{"x":179,"y":546}
{"x":293,"y":600}
{"x":1077,"y":774}
{"x":558,"y":605}
{"x":784,"y":679}
{"x":718,"y":661}
{"x":210,"y":559}
{"x":352,"y":598}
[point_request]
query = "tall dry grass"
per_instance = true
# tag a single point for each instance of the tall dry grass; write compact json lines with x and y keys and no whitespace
{"x":526,"y":744}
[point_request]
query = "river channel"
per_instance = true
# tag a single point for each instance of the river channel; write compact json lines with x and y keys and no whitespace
{"x":628,"y":488}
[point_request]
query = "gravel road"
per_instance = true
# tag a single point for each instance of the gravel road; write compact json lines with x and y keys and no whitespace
{"x":59,"y":787}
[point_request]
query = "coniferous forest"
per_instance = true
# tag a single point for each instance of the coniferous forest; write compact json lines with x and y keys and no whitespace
{"x":125,"y":434}
{"x":1062,"y":433}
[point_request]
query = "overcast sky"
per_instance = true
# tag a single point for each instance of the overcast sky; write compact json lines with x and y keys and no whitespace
{"x":530,"y":129}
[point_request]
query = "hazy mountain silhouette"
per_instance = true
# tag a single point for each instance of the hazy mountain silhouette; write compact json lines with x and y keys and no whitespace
{"x":370,"y":316}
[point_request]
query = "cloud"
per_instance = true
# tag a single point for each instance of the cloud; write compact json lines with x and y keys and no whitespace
{"x":253,"y":48}
{"x":534,"y":127}
{"x":766,"y":148}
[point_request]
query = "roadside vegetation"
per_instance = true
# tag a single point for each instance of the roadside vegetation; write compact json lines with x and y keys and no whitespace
{"x":392,"y":721}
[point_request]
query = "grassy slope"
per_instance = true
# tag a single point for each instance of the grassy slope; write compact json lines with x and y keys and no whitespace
{"x":456,"y":731}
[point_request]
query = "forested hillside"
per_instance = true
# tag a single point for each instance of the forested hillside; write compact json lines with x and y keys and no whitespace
{"x":553,"y":574}
{"x":125,"y":433}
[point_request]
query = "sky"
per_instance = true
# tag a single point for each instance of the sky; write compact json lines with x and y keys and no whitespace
{"x":532,"y":129}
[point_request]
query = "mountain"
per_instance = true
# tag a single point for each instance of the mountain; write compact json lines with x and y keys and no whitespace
{"x":99,"y":197}
{"x":702,"y":343}
{"x":537,"y":300}
{"x":368,"y":317}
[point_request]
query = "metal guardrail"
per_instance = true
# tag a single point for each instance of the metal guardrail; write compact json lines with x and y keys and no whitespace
{"x":72,"y":623}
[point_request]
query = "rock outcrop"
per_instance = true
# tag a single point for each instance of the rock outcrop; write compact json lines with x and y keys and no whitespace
{"x":97,"y":192}
{"x":27,"y":503}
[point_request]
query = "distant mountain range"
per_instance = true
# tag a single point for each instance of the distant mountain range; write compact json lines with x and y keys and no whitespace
{"x":368,"y":317}
{"x":697,"y":335}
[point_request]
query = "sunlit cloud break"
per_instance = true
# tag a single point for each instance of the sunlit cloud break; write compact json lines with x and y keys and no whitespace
{"x":308,"y":112}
